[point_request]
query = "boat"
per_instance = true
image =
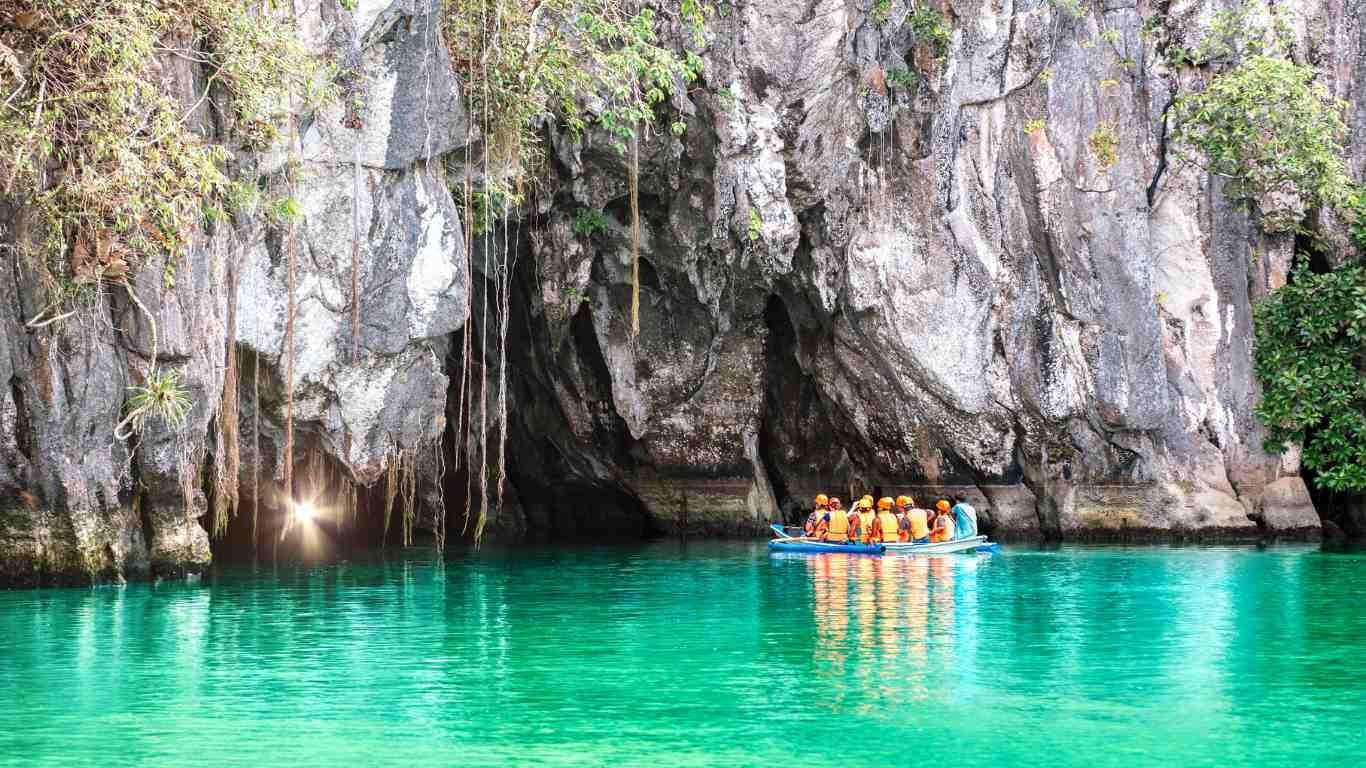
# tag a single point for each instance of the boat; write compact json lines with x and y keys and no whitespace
{"x":970,"y":544}
{"x":812,"y":545}
{"x":787,"y":542}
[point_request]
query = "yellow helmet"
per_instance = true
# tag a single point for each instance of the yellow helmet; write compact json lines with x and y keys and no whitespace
{"x":942,"y":505}
{"x":822,"y":500}
{"x":866,"y":498}
{"x":884,"y":503}
{"x":905,"y":501}
{"x":866,"y":502}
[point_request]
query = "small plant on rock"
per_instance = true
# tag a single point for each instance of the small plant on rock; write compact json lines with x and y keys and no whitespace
{"x":902,"y":78}
{"x":588,"y":221}
{"x":1104,"y":145}
{"x":930,"y":28}
{"x":1034,"y":126}
{"x":162,"y":396}
{"x":756,"y":225}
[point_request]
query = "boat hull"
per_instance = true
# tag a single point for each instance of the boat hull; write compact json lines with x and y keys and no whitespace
{"x":796,"y":545}
{"x":937,"y":548}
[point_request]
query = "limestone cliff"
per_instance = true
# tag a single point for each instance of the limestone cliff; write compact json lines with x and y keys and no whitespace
{"x":870,"y":260}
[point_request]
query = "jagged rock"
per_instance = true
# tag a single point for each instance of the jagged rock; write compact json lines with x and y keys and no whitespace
{"x":849,"y":280}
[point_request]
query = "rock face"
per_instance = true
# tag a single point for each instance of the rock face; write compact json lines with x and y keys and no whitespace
{"x":869,"y":262}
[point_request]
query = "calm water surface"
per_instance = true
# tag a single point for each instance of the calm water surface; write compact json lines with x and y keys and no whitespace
{"x":703,"y":654}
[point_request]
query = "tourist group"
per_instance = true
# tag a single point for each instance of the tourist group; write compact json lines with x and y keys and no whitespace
{"x":893,"y":521}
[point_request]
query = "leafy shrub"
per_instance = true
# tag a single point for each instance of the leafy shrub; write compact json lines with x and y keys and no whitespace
{"x":97,"y":147}
{"x":1311,"y":338}
{"x":930,"y":28}
{"x":1267,"y":125}
{"x":588,"y":221}
{"x":902,"y":78}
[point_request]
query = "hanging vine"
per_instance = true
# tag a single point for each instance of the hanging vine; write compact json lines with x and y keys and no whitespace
{"x":595,"y":68}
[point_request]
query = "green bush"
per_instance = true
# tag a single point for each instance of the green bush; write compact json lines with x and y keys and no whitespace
{"x":588,"y":221}
{"x":1266,"y":125}
{"x":98,"y":149}
{"x":1311,"y":342}
{"x":930,"y":28}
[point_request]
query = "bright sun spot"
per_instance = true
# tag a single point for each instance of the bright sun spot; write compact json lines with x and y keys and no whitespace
{"x":304,"y":512}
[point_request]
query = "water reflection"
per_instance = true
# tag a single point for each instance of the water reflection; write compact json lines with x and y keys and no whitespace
{"x":709,"y":654}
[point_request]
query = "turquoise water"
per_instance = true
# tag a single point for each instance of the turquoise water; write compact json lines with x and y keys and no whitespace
{"x":703,"y":654}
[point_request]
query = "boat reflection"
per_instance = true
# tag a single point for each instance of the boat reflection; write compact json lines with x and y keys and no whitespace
{"x":896,"y":624}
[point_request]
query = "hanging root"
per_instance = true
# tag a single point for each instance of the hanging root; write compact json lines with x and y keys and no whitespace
{"x":227,"y":444}
{"x":408,"y":462}
{"x":634,"y":181}
{"x":390,"y":491}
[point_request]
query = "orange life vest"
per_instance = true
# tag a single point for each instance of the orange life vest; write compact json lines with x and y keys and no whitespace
{"x":943,"y":531}
{"x":920,"y":526}
{"x":865,"y":525}
{"x":838,"y":527}
{"x":890,"y":528}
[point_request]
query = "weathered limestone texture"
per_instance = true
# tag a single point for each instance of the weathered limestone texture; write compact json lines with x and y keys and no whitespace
{"x":858,"y":269}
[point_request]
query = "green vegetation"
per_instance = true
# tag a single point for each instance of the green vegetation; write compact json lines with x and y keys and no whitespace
{"x":1266,"y":124}
{"x":110,"y":162}
{"x":1073,"y":8}
{"x":96,"y":145}
{"x":588,"y":221}
{"x":882,"y":11}
{"x":526,"y":62}
{"x":930,"y":28}
{"x":1311,"y":342}
{"x":755,"y":230}
{"x":1034,"y":126}
{"x":902,"y":78}
{"x":162,"y":396}
{"x":1104,"y":145}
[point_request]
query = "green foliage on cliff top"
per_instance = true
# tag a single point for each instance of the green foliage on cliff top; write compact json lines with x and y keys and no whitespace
{"x":96,"y":145}
{"x":573,"y":62}
{"x":1266,"y":124}
{"x":1311,"y":346}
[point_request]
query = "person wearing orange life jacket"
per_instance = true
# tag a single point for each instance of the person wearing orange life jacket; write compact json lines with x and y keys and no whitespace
{"x":837,"y":525}
{"x":865,"y":519}
{"x":943,"y":523}
{"x":813,"y":519}
{"x":886,"y":527}
{"x":917,"y":524}
{"x":903,"y":505}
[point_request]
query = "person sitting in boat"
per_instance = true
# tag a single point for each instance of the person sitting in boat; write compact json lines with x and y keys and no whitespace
{"x":903,"y":505}
{"x":813,"y":519}
{"x":836,"y":525}
{"x":886,"y":527}
{"x":865,"y":520}
{"x":964,"y":517}
{"x":943,"y":523}
{"x":917,"y":524}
